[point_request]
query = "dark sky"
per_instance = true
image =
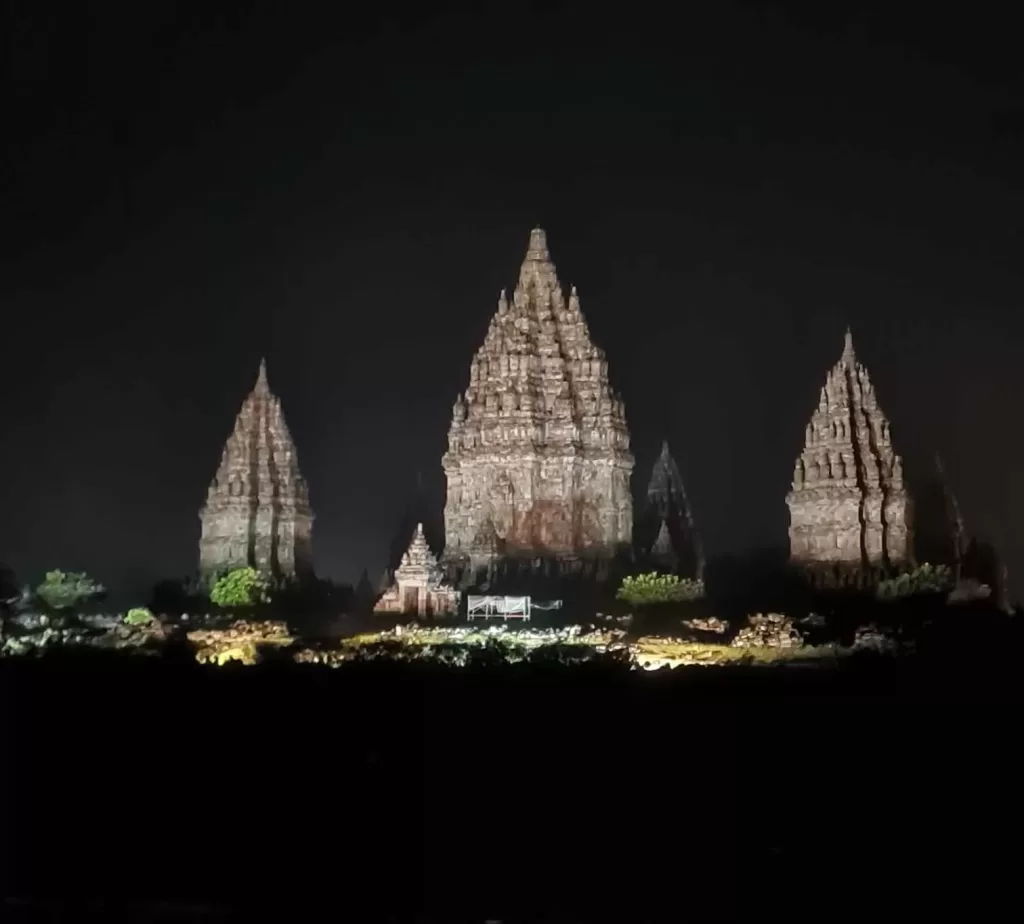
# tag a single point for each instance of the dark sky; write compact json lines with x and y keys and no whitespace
{"x":189,"y":186}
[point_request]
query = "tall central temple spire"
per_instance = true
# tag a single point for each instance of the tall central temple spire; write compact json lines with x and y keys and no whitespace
{"x":538,"y":460}
{"x":257,"y":509}
{"x":848,"y":504}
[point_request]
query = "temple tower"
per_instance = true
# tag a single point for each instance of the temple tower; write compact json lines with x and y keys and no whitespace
{"x":669,"y":535}
{"x":538,"y":461}
{"x":848,"y":505}
{"x":257,"y":509}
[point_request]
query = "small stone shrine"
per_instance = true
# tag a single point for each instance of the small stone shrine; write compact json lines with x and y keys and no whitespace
{"x":418,"y":588}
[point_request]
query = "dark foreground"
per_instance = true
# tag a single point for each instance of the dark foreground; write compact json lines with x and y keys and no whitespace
{"x":377,"y":792}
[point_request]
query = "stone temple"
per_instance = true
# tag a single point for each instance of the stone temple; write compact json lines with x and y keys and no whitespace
{"x":848,"y":505}
{"x":668,"y":534}
{"x":257,"y":509}
{"x":538,"y":461}
{"x":418,"y":588}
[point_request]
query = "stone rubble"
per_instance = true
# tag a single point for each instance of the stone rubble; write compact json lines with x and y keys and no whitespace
{"x":240,"y":641}
{"x":878,"y":640}
{"x":710,"y":624}
{"x":771,"y":630}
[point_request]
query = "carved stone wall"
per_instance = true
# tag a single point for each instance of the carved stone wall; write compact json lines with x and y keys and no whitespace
{"x":257,"y":509}
{"x":538,"y":460}
{"x":848,"y":504}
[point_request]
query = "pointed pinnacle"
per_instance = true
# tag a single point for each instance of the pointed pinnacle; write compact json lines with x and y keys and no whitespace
{"x":664,"y":448}
{"x":848,"y":345}
{"x":538,"y":249}
{"x":261,"y":379}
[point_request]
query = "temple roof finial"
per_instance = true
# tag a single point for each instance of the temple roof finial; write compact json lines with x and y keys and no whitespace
{"x":538,"y":249}
{"x":848,"y":345}
{"x":261,"y":379}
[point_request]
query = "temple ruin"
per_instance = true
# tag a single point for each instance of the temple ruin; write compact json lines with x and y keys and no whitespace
{"x":418,"y":588}
{"x":257,"y":509}
{"x":668,"y":535}
{"x":848,"y":505}
{"x":538,"y":461}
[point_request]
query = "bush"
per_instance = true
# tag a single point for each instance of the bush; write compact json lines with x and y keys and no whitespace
{"x":138,"y":616}
{"x":646,"y":589}
{"x":241,"y":587}
{"x":925,"y":579}
{"x":65,"y":592}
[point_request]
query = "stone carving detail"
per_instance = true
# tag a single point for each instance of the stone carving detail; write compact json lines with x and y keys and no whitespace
{"x":538,"y":461}
{"x":848,"y":505}
{"x":257,"y":509}
{"x":677,"y":546}
{"x":418,"y":588}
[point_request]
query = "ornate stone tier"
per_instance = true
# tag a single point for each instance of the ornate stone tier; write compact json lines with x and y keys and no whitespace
{"x":668,"y":519}
{"x":538,"y":461}
{"x":418,"y":587}
{"x":848,"y":505}
{"x":257,"y":509}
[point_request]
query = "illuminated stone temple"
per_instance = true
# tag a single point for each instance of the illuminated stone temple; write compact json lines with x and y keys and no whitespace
{"x":538,"y":461}
{"x":418,"y":587}
{"x":257,"y":509}
{"x":848,"y":504}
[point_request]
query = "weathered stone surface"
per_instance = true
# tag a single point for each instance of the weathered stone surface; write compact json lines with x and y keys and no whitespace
{"x":708,"y":624}
{"x":878,"y":640}
{"x":257,"y":509}
{"x":771,"y":630}
{"x":241,"y":641}
{"x":538,"y":461}
{"x":418,"y":588}
{"x":848,"y":504}
{"x":669,"y":518}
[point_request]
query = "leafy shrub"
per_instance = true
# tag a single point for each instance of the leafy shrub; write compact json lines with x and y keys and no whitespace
{"x":646,"y":589}
{"x":138,"y":616}
{"x":63,"y":592}
{"x":925,"y":579}
{"x":241,"y":587}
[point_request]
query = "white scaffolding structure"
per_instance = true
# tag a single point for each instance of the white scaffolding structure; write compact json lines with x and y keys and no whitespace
{"x":502,"y":607}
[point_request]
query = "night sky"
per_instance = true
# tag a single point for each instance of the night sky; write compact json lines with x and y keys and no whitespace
{"x":187,"y":189}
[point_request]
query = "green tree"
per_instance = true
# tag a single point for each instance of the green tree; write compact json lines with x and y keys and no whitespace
{"x":924,"y":579}
{"x":645,"y":589}
{"x":138,"y":616}
{"x":67,"y":592}
{"x":241,"y":587}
